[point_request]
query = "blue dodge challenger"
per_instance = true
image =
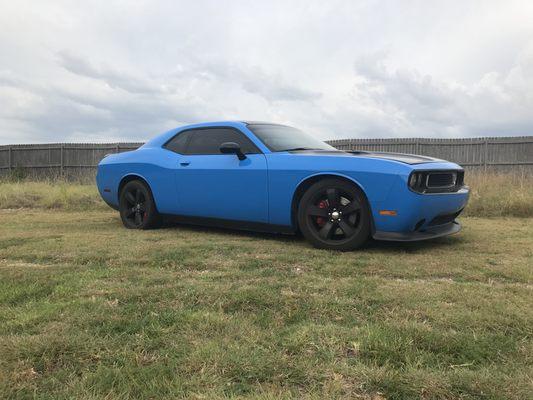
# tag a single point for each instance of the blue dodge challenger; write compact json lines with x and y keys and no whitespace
{"x":263,"y":176}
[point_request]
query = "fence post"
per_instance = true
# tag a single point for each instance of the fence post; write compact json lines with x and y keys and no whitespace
{"x":417,"y":146}
{"x":486,"y":156}
{"x":61,"y":162}
{"x":10,"y":157}
{"x":118,"y":148}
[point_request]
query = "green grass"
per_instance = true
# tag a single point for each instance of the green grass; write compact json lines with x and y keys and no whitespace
{"x":91,"y":310}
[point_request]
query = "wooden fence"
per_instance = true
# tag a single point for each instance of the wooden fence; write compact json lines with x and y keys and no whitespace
{"x":69,"y":160}
{"x":494,"y":153}
{"x":80,"y":159}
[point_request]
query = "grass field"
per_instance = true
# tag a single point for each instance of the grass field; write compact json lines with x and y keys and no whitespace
{"x":91,"y":310}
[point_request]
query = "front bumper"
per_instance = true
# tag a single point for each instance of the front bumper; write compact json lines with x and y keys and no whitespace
{"x":418,"y":216}
{"x":424,"y":234}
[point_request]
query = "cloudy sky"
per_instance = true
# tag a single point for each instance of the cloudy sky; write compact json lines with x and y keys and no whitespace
{"x":127,"y":70}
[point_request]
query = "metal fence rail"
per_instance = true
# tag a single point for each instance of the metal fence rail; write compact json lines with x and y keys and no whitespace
{"x":75,"y":159}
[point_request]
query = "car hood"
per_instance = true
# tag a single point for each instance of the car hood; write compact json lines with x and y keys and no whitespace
{"x":410,"y":159}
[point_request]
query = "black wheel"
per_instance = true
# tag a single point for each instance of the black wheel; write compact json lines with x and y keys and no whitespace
{"x":333,"y":214}
{"x":137,"y":207}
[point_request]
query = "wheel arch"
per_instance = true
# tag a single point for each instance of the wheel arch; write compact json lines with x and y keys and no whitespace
{"x":311,"y":180}
{"x":134,"y":177}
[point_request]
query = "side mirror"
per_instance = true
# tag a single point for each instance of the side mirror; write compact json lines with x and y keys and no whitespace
{"x":232,"y":148}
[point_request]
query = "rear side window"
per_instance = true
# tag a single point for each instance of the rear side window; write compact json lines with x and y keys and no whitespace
{"x":179,"y":142}
{"x":208,"y":141}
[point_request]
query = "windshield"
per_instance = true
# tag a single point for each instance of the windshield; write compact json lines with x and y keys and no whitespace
{"x":286,"y":138}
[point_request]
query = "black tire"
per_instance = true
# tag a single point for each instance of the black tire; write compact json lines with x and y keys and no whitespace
{"x":334,"y":214}
{"x":137,"y":206}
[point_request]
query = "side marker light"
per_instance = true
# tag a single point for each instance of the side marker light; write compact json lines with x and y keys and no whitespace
{"x":392,"y":213}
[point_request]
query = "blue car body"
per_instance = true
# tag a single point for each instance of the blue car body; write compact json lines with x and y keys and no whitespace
{"x":262,"y":188}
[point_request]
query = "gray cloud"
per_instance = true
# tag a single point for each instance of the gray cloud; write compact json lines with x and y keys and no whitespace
{"x":254,"y":80}
{"x":416,"y":103}
{"x":115,"y":79}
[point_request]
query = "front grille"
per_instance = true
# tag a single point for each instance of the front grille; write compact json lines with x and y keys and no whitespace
{"x":441,"y":179}
{"x":444,"y":218}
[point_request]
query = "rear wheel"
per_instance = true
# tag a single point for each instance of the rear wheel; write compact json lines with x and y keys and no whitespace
{"x":333,"y":214}
{"x":137,"y":207}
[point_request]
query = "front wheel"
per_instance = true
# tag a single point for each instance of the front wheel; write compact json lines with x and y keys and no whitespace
{"x":333,"y":214}
{"x":137,"y":206}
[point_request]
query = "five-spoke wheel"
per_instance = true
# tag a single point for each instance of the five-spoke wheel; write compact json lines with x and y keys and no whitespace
{"x":333,"y":214}
{"x":137,"y":208}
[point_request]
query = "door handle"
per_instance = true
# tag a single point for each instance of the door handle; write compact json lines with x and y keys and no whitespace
{"x":184,"y":163}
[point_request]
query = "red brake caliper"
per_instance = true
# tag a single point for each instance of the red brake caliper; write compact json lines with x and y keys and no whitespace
{"x":321,"y":220}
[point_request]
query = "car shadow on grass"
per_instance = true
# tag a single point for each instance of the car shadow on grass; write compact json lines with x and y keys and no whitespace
{"x":413,"y":247}
{"x":281,"y":237}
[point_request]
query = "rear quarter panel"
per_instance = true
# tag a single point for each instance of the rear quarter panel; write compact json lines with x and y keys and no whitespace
{"x":155,"y":165}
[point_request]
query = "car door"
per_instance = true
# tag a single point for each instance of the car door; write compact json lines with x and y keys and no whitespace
{"x":215,"y":185}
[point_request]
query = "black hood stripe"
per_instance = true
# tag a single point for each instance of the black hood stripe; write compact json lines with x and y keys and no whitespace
{"x":404,"y":158}
{"x":400,"y":157}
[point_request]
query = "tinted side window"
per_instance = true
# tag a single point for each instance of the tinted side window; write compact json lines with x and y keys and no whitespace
{"x":179,"y":142}
{"x":208,"y":141}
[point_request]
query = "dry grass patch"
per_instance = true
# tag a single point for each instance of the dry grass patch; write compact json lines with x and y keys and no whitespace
{"x":49,"y":195}
{"x":497,"y":195}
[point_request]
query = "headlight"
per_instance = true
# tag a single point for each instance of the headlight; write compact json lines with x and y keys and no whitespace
{"x":413,"y":179}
